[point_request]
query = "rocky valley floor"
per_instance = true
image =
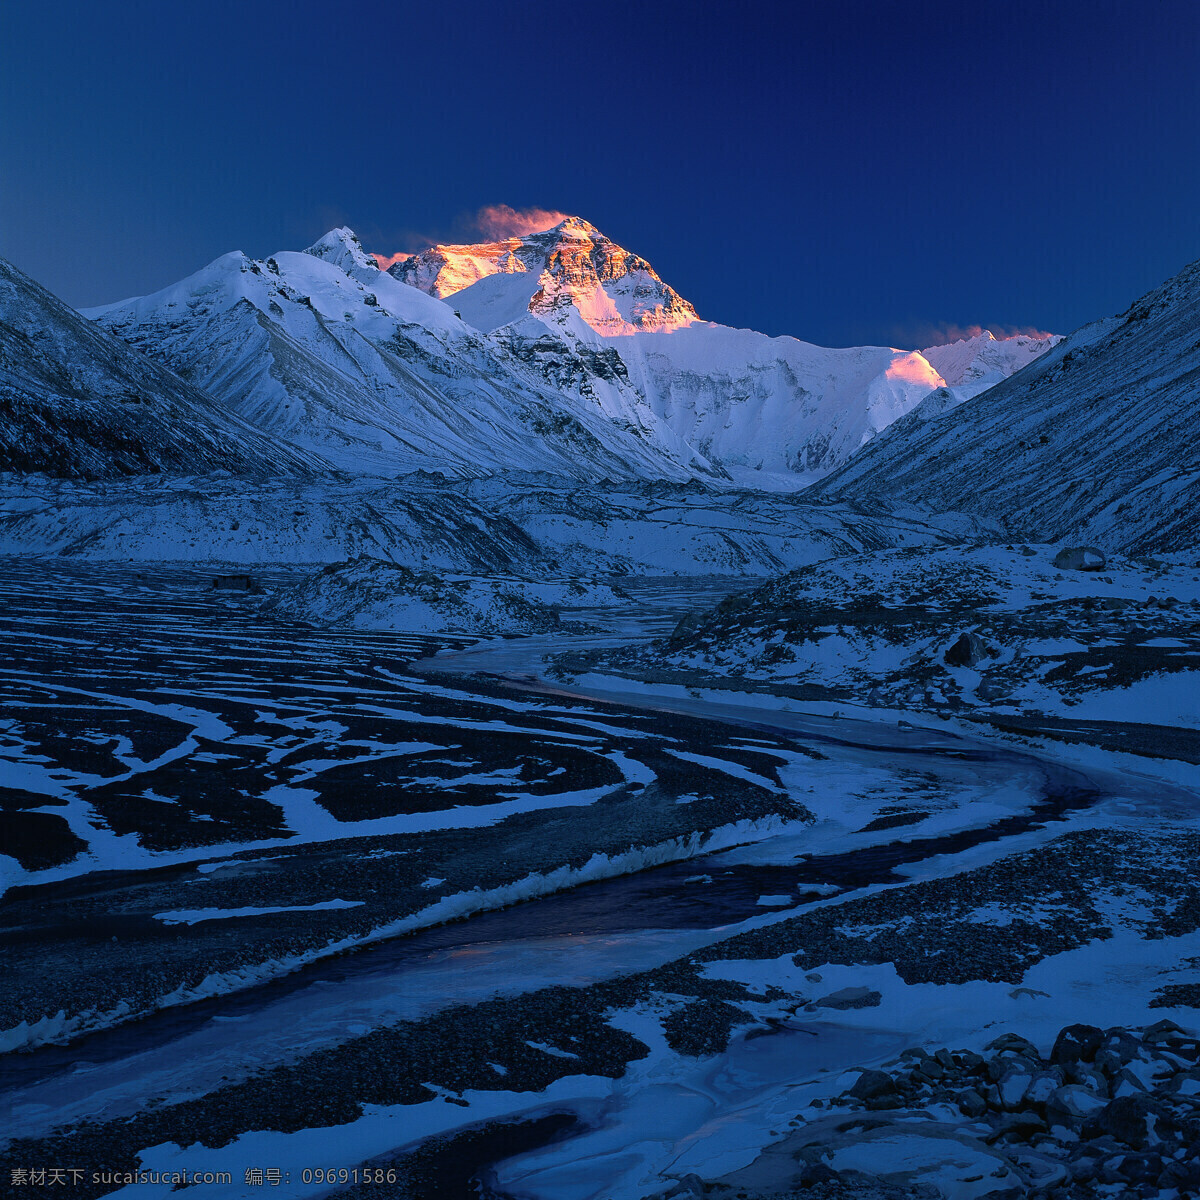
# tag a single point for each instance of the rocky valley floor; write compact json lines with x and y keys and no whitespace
{"x":357,"y":912}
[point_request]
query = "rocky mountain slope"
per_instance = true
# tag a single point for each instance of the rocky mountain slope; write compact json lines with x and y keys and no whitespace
{"x":75,"y":401}
{"x":538,"y":529}
{"x":327,"y":351}
{"x":973,"y":364}
{"x":1096,"y":441}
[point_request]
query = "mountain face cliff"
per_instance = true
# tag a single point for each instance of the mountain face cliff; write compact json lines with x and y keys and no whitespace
{"x":558,"y":352}
{"x":75,"y":401}
{"x":1096,"y":441}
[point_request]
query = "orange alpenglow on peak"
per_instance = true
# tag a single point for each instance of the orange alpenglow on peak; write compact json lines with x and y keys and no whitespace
{"x":570,"y":265}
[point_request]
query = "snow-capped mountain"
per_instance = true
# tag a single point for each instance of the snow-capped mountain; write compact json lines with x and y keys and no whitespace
{"x":590,"y":319}
{"x":972,"y":365}
{"x":1096,"y":441}
{"x":558,"y":352}
{"x":77,"y":401}
{"x":571,"y":264}
{"x":325,"y":350}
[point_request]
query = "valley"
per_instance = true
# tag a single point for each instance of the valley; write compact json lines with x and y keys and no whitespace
{"x":477,"y":729}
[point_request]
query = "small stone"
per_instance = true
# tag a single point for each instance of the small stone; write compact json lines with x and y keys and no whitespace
{"x":1089,"y":1076}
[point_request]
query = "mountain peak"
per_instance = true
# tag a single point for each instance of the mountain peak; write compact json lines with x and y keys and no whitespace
{"x":342,"y":248}
{"x":567,"y":270}
{"x":575,"y":225}
{"x":978,"y":361}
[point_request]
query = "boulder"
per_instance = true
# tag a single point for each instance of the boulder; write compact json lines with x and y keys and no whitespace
{"x":871,"y":1085}
{"x":1080,"y":558}
{"x":1013,"y":1085}
{"x":1020,"y":1126}
{"x":1183,"y":1176}
{"x":1126,"y":1083}
{"x":1002,"y":1064}
{"x":969,"y":650}
{"x":1071,"y":1105}
{"x":1142,"y":1168}
{"x":1075,"y":1043}
{"x":1164,"y":1031}
{"x":1013,"y":1042}
{"x":1042,"y":1087}
{"x":850,"y":997}
{"x":1131,"y":1120}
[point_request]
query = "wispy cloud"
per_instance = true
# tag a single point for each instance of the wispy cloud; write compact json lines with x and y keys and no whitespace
{"x":492,"y":223}
{"x":388,"y":260}
{"x":920,"y":334}
{"x":496,"y":221}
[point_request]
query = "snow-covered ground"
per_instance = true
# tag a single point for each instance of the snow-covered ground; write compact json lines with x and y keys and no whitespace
{"x":306,"y":876}
{"x":987,"y":630}
{"x":861,"y":888}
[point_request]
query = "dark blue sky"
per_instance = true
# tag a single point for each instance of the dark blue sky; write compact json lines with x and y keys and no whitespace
{"x":845,"y":172}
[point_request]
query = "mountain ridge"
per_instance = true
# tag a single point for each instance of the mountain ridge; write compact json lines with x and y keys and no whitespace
{"x":557,"y":351}
{"x":1095,"y":441}
{"x":76,"y":401}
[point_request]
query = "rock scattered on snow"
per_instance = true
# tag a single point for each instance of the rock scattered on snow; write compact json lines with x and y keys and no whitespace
{"x":1080,"y":558}
{"x":1106,"y":1112}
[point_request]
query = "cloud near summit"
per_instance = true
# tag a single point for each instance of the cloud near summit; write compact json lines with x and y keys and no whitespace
{"x":497,"y":221}
{"x":943,"y":333}
{"x":491,"y":223}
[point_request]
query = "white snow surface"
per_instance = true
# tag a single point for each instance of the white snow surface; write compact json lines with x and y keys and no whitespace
{"x":884,"y":626}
